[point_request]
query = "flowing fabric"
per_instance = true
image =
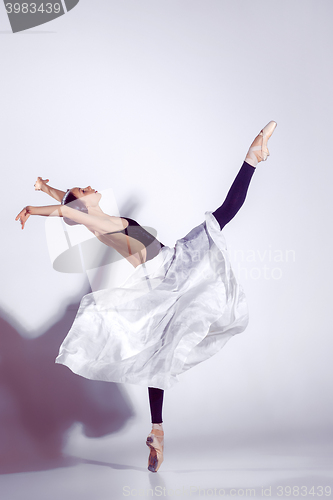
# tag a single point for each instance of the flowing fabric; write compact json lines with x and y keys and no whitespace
{"x":172,"y":313}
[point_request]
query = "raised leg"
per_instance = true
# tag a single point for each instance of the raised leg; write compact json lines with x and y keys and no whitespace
{"x":237,"y":193}
{"x":236,"y":196}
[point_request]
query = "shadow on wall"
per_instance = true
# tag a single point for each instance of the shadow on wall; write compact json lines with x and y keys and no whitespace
{"x":40,"y":400}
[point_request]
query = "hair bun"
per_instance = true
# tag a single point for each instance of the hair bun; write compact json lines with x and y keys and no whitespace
{"x":73,"y":202}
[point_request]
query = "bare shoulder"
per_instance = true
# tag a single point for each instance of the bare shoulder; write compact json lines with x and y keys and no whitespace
{"x":98,"y":224}
{"x":118,"y":223}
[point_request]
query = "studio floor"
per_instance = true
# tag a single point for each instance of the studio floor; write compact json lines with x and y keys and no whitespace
{"x":115,"y":467}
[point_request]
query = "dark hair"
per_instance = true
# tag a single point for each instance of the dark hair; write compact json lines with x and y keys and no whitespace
{"x":73,"y":202}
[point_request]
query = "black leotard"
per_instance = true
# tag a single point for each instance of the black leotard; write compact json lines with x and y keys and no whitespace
{"x":134,"y":230}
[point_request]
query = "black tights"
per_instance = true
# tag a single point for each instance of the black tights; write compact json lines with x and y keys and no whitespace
{"x":233,"y":202}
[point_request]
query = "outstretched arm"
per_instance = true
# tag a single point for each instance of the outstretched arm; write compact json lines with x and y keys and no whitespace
{"x":94,"y":223}
{"x":42,"y":185}
{"x":53,"y":210}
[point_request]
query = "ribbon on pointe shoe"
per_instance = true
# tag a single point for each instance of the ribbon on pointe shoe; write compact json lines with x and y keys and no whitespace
{"x":252,"y":158}
{"x":155,"y":441}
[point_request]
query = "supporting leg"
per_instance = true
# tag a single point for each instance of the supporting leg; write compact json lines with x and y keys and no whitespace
{"x":156,"y":404}
{"x":155,"y":440}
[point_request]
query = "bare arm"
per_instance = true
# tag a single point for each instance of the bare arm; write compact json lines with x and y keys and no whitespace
{"x":42,"y":185}
{"x":23,"y":216}
{"x":94,"y":223}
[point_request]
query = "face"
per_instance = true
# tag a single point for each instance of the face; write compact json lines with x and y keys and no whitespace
{"x":90,"y":197}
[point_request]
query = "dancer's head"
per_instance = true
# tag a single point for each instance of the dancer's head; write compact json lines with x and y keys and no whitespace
{"x":80,"y":199}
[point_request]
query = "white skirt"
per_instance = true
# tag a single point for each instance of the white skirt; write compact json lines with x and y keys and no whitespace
{"x":172,"y":313}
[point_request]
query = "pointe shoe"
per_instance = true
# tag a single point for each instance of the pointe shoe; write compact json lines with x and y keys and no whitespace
{"x":260,"y":152}
{"x":155,"y":441}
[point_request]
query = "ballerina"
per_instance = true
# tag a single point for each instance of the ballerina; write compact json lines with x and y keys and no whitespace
{"x":178,"y":308}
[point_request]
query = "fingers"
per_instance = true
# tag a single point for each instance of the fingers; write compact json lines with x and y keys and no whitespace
{"x":20,"y":217}
{"x":22,"y":223}
{"x":37,"y":184}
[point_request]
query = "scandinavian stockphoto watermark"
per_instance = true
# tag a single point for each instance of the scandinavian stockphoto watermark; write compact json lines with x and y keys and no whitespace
{"x":24,"y":15}
{"x":74,"y":249}
{"x":264,"y":264}
{"x":263,"y":492}
{"x":267,"y":264}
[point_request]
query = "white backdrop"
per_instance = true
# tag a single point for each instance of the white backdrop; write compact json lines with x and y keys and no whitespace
{"x":159,"y":101}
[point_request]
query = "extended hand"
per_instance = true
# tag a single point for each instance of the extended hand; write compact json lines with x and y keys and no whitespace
{"x":23,"y":216}
{"x":39,"y":183}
